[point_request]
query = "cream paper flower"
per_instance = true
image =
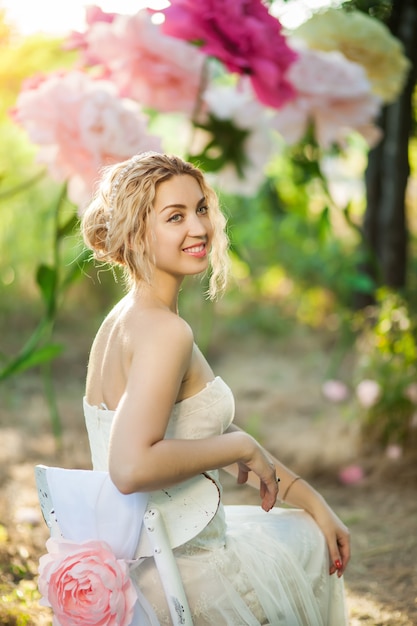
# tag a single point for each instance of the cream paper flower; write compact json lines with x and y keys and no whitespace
{"x":365,"y":41}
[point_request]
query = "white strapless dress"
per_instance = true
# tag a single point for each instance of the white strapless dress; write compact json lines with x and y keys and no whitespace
{"x":247,"y":567}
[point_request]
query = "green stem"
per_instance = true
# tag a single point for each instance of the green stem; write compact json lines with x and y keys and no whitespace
{"x":56,"y":251}
{"x":198,"y":105}
{"x":23,"y":187}
{"x":206,"y":324}
{"x":50,"y":396}
{"x":47,"y":369}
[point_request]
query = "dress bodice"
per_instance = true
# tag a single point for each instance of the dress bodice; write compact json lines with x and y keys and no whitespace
{"x":209,"y":412}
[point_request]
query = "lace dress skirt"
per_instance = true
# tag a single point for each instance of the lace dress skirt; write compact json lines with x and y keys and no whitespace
{"x":253,"y":568}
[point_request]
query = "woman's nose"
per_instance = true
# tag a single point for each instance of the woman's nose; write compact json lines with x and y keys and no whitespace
{"x":197,"y":226}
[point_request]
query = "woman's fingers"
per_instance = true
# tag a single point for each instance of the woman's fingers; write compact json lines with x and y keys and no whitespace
{"x":269,"y":493}
{"x":344,"y":550}
{"x":243,"y":474}
{"x":339,"y":549}
{"x":268,"y":481}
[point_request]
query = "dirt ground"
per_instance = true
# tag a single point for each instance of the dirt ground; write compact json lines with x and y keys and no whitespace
{"x":277,"y":386}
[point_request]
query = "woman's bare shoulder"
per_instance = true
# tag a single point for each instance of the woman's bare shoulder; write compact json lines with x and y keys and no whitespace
{"x":154,"y":323}
{"x":139,"y":329}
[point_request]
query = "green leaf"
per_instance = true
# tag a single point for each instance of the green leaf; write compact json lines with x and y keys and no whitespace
{"x":68,"y":227}
{"x":9,"y":193}
{"x":362,"y":283}
{"x":207,"y":164}
{"x":28,"y":360}
{"x":46,"y":277}
{"x":324,"y":223}
{"x":226,"y":145}
{"x":76,"y":269}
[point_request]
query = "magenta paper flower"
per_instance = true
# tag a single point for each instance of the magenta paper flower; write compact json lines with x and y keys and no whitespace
{"x":157,"y":71}
{"x":80,"y":125}
{"x":334,"y":95}
{"x":85,"y":584}
{"x":243,"y":36}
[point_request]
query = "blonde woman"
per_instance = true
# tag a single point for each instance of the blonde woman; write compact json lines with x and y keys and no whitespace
{"x":168,"y":417}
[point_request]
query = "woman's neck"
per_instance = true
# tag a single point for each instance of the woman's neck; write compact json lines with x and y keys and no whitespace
{"x":163,"y":296}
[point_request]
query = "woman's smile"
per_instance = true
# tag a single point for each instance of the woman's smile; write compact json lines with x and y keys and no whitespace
{"x":198,"y":251}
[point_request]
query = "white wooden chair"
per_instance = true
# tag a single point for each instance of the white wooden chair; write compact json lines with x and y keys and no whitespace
{"x":82,"y":505}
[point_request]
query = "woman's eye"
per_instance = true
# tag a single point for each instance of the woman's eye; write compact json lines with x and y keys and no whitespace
{"x":175,"y":218}
{"x":202,"y":210}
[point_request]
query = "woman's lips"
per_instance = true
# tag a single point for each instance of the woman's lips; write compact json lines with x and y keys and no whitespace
{"x":197,"y":251}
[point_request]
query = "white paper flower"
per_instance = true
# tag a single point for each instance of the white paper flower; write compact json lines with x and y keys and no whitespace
{"x":239,"y":107}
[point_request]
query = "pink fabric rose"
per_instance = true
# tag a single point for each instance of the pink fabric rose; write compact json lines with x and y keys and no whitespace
{"x":81,"y":125}
{"x":244,"y":36}
{"x":86,"y":585}
{"x":334,"y":94}
{"x":155,"y":70}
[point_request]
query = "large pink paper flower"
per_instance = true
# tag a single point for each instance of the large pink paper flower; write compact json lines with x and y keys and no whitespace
{"x":243,"y":36}
{"x":85,"y":584}
{"x":81,"y":125}
{"x":155,"y":70}
{"x":334,"y":95}
{"x":78,"y":41}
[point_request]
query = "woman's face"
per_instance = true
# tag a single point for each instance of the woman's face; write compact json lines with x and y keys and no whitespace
{"x":180,"y":228}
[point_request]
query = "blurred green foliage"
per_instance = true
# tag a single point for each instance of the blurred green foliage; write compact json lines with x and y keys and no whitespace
{"x":387,"y":348}
{"x":40,"y":250}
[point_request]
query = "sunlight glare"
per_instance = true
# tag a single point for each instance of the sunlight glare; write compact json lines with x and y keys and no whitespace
{"x":59,"y":18}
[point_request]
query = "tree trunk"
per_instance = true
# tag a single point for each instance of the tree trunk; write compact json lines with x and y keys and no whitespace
{"x":385,"y":228}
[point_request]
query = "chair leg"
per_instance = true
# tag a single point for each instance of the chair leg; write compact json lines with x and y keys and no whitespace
{"x":167,"y":568}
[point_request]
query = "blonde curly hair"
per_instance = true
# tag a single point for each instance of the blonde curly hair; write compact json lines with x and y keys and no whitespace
{"x":115,"y":224}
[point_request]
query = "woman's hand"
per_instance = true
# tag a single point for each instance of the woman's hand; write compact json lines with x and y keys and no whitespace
{"x":300,"y":494}
{"x":337,"y":538}
{"x":260,"y":464}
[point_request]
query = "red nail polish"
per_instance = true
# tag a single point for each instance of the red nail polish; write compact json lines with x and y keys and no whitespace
{"x":338,"y":564}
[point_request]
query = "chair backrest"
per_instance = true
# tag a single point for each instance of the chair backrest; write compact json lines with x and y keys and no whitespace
{"x":83,"y":505}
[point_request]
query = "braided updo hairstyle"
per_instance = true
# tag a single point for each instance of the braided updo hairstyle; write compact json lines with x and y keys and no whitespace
{"x":115,"y":224}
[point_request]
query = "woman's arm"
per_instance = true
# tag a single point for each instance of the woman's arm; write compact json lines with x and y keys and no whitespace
{"x":140,"y":459}
{"x":299,"y":493}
